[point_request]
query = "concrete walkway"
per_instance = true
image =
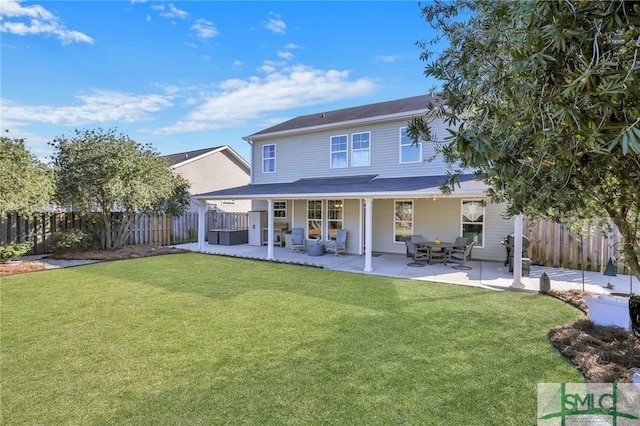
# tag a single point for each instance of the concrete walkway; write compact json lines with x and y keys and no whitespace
{"x":485,"y":274}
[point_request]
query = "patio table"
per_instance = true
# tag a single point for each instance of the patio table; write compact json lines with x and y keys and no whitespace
{"x":431,"y":245}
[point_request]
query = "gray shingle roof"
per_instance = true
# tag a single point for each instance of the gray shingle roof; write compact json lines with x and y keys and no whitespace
{"x":184,"y":156}
{"x":415,"y":103}
{"x":347,"y":186}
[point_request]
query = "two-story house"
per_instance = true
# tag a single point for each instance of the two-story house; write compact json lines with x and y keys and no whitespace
{"x":357,"y":169}
{"x":211,"y":169}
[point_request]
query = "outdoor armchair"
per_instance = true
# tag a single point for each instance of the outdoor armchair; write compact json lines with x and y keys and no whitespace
{"x":297,"y":240}
{"x":339,"y":245}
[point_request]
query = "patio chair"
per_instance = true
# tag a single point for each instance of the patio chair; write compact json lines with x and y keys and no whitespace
{"x":339,"y":245}
{"x":460,"y":244}
{"x":413,"y":239}
{"x":297,"y":240}
{"x":461,"y":257}
{"x":416,"y":255}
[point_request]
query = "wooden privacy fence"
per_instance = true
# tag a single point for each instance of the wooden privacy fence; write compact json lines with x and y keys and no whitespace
{"x":556,"y":245}
{"x":148,"y":229}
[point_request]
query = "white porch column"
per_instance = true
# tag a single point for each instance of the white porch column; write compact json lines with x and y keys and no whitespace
{"x":270,"y":229}
{"x":202,"y":213}
{"x":368,"y":234}
{"x":517,"y":252}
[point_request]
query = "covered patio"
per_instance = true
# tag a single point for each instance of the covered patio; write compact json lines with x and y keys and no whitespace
{"x":485,"y":274}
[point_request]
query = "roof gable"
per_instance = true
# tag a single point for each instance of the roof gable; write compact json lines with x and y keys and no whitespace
{"x":181,"y":157}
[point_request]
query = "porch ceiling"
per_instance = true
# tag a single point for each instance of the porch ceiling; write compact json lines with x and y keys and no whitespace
{"x":361,"y":186}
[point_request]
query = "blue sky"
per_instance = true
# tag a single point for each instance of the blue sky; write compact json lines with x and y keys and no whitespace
{"x":185,"y":75}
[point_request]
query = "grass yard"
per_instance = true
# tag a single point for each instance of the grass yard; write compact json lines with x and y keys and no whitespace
{"x":199,"y":339}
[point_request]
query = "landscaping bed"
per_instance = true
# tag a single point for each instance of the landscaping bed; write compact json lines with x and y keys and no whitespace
{"x":603,"y":354}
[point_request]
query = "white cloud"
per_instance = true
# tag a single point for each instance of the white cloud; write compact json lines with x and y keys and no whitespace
{"x":291,"y":46}
{"x":170,"y":11}
{"x":387,"y":58}
{"x":204,"y":29}
{"x":237,"y":64}
{"x":102,"y":106}
{"x":285,"y":55}
{"x":238,"y":101}
{"x":34,"y":20}
{"x":275,"y":24}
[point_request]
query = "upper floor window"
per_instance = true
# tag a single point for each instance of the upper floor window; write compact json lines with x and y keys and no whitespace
{"x":473,"y":220}
{"x":339,"y":151}
{"x":360,"y":149}
{"x":269,"y":158}
{"x":280,"y":209}
{"x":409,"y":152}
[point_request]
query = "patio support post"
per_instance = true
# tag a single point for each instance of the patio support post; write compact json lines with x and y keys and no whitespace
{"x":202,"y":214}
{"x":270,"y":229}
{"x":368,"y":234}
{"x":517,"y":252}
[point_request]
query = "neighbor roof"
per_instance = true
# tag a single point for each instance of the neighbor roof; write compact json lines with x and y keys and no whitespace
{"x":416,"y":104}
{"x":350,"y":187}
{"x":189,"y":155}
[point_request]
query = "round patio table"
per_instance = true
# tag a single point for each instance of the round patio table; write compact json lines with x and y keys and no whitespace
{"x":446,"y":248}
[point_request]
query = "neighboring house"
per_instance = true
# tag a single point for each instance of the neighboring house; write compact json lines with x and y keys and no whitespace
{"x":355,"y":168}
{"x":212,"y":169}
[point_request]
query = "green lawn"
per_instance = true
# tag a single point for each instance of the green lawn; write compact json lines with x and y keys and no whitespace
{"x":199,"y":339}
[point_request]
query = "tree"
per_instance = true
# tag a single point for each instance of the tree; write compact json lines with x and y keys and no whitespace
{"x":26,"y":183}
{"x":102,"y":171}
{"x":543,"y":100}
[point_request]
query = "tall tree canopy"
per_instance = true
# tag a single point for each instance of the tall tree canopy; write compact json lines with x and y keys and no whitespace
{"x":103,"y":171}
{"x":543,"y":99}
{"x":26,"y":183}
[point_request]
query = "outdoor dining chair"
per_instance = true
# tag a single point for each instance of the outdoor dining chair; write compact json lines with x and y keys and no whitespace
{"x":460,"y":258}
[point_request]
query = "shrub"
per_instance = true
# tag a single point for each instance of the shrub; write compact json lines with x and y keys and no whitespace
{"x":13,"y":251}
{"x":72,"y":240}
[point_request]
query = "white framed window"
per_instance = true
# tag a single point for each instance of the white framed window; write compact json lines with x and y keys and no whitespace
{"x":403,"y":220}
{"x":269,"y":158}
{"x":339,"y":151}
{"x":472,"y":220}
{"x":280,"y":209}
{"x":409,"y":152}
{"x":360,"y":149}
{"x":334,"y":218}
{"x":314,"y":219}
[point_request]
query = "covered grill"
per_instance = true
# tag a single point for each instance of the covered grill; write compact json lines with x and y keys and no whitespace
{"x":508,"y":244}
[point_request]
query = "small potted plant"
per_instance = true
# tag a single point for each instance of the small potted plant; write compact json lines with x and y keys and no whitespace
{"x":11,"y":252}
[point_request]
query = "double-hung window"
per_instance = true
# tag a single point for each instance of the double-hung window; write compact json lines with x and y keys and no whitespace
{"x":360,"y":149}
{"x":334,"y":217}
{"x":339,"y":151}
{"x":280,"y":209}
{"x":409,"y":152}
{"x":269,"y":158}
{"x":314,"y":219}
{"x":403,"y":220}
{"x":473,"y":220}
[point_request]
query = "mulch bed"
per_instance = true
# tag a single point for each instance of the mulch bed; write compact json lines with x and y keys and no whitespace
{"x":602,"y":354}
{"x":131,"y":252}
